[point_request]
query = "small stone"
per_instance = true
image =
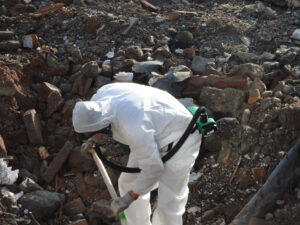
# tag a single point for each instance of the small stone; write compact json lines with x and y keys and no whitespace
{"x":254,"y":96}
{"x":162,"y":52}
{"x":44,"y":154}
{"x":245,"y":116}
{"x":188,"y":53}
{"x":259,"y":173}
{"x":134,"y":52}
{"x":90,"y":69}
{"x":207,"y":215}
{"x":6,"y":35}
{"x":278,"y":94}
{"x":30,"y":41}
{"x":29,"y":185}
{"x":249,"y":69}
{"x":269,"y":66}
{"x":74,"y":207}
{"x":45,"y":89}
{"x":267,"y":94}
{"x":92,"y":24}
{"x":185,"y":38}
{"x":269,"y":216}
{"x":3,"y":152}
{"x":199,"y":64}
{"x":280,"y":202}
{"x":174,"y":16}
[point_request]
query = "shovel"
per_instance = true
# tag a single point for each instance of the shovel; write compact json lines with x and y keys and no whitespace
{"x":107,"y":182}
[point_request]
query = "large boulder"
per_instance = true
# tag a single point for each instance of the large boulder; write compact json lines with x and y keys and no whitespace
{"x":42,"y":204}
{"x":222,"y":102}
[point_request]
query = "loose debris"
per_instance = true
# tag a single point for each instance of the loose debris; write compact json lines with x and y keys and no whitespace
{"x":239,"y":59}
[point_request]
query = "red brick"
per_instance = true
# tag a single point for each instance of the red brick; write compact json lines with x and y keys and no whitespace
{"x":74,"y":207}
{"x":58,"y":162}
{"x":194,"y":84}
{"x":259,"y":173}
{"x":33,"y":127}
{"x":174,"y":16}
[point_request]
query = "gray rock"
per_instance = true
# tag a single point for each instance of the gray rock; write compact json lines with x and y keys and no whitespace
{"x":265,"y":37}
{"x":258,"y":84}
{"x":288,"y":58}
{"x":29,"y":185}
{"x":249,"y":69}
{"x":23,"y":174}
{"x":134,"y":52}
{"x":147,"y":67}
{"x":269,"y":66}
{"x":267,"y":56}
{"x":199,"y":64}
{"x":270,"y":103}
{"x":10,"y":45}
{"x":185,"y":38}
{"x":270,"y":13}
{"x":42,"y":204}
{"x":245,"y":116}
{"x":90,"y":69}
{"x":244,"y":57}
{"x":180,"y":73}
{"x":100,"y":212}
{"x":295,"y":72}
{"x":249,"y":138}
{"x":289,"y":116}
{"x":267,"y":94}
{"x":3,"y":10}
{"x":162,"y":52}
{"x":225,"y":102}
{"x":6,"y":35}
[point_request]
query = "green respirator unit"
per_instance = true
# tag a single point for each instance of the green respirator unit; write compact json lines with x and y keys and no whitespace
{"x":206,"y":125}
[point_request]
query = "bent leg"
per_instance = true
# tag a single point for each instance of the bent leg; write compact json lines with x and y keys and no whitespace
{"x":139,"y":212}
{"x":173,"y":186}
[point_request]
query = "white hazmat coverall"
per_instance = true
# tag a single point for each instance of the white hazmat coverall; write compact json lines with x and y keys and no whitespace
{"x":147,"y":120}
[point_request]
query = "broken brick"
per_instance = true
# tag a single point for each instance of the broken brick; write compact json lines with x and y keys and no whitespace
{"x":33,"y":127}
{"x":74,"y":207}
{"x":45,"y":89}
{"x":58,"y":162}
{"x":194,"y":84}
{"x":80,"y":222}
{"x":82,"y":85}
{"x":54,"y":101}
{"x":174,"y":16}
{"x":259,"y":173}
{"x":91,"y":180}
{"x":3,"y":152}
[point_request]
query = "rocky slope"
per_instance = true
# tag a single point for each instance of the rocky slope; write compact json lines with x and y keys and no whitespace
{"x":239,"y":59}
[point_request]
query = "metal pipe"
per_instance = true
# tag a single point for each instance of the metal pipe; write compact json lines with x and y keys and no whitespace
{"x":287,"y":171}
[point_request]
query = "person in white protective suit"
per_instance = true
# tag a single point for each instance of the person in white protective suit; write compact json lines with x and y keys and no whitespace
{"x":147,"y":120}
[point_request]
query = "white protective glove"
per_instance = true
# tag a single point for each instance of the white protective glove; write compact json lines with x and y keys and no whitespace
{"x":85,"y":149}
{"x":119,"y":204}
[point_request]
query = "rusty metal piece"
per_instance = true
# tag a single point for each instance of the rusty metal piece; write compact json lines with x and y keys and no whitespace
{"x":235,"y":169}
{"x":287,"y":171}
{"x":148,"y":5}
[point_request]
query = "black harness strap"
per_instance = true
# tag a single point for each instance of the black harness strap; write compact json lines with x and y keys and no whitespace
{"x":190,"y":129}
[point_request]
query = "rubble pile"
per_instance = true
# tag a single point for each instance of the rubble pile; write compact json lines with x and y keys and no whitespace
{"x":239,"y":59}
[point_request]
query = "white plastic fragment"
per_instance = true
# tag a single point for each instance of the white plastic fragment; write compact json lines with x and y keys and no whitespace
{"x":195,"y":176}
{"x":124,"y":76}
{"x":7,"y":175}
{"x":296,"y":34}
{"x":110,"y":55}
{"x":179,"y":51}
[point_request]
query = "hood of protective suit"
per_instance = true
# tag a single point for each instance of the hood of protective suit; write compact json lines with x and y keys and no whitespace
{"x":88,"y":116}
